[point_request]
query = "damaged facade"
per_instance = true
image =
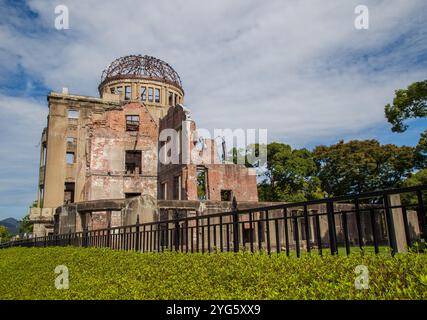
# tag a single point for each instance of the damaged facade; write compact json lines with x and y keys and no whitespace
{"x":106,"y":149}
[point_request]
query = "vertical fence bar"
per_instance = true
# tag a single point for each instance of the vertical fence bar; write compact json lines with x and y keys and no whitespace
{"x":307,"y":227}
{"x":296,"y":235}
{"x":177,"y":226}
{"x":422,"y":214}
{"x":331,"y":227}
{"x":227,"y":227}
{"x":221,"y":234}
{"x":374,"y":230}
{"x":235,"y":226}
{"x":406,"y":226}
{"x":345,"y":227}
{"x":285,"y":216}
{"x":358,"y":223}
{"x":251,"y":230}
{"x":209,"y":235}
{"x":390,"y":225}
{"x":197,"y":233}
{"x":267,"y":226}
{"x":318,"y":234}
{"x":137,"y":234}
{"x":276,"y":227}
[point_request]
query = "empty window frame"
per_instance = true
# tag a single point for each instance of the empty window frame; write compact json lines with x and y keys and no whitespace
{"x":70,"y":140}
{"x":143,"y":93}
{"x":113,"y":90}
{"x":171,"y":99}
{"x":226,"y":195}
{"x":157,"y":95}
{"x":73,"y":114}
{"x":128,"y":92}
{"x":202,"y":183}
{"x":150,"y":94}
{"x":177,"y":187}
{"x":70,"y":157}
{"x":132,"y":123}
{"x":69,"y":192}
{"x":119,"y":91}
{"x":133,"y":161}
{"x":44,"y":154}
{"x":132,"y":195}
{"x":164,"y":191}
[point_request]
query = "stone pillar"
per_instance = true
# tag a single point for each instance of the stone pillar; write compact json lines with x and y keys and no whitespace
{"x":399,"y":227}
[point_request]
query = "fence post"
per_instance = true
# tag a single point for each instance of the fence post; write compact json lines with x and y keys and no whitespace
{"x":69,"y":237}
{"x":137,"y":233}
{"x":109,"y":233}
{"x":331,"y":227}
{"x":422,"y":215}
{"x":235,"y":226}
{"x":176,"y":217}
{"x":85,"y":235}
{"x":390,"y":225}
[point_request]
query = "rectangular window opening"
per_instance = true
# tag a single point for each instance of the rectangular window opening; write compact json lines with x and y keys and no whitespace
{"x":201,"y":183}
{"x":133,"y":161}
{"x":157,"y":95}
{"x":171,"y":99}
{"x":143,"y":93}
{"x":164,"y":191}
{"x":132,"y":123}
{"x":132,"y":194}
{"x":70,"y":157}
{"x":150,"y":94}
{"x":226,"y":195}
{"x":73,"y":114}
{"x":69,"y":192}
{"x":128,"y":92}
{"x":177,"y":187}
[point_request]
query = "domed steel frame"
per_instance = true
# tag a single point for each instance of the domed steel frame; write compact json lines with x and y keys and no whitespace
{"x":140,"y":67}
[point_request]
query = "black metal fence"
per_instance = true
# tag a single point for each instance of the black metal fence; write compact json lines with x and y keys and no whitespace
{"x":394,"y":218}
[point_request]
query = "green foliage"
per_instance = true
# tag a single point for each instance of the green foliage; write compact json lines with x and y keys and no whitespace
{"x":25,"y":226}
{"x":410,"y":103}
{"x":28,"y":273}
{"x":291,"y":175}
{"x":362,"y":165}
{"x":421,"y":151}
{"x":407,"y":103}
{"x":4,"y":234}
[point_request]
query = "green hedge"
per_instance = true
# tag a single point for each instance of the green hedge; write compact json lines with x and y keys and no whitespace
{"x":106,"y":274}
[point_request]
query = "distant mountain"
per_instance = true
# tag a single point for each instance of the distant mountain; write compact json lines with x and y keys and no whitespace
{"x":11,"y":224}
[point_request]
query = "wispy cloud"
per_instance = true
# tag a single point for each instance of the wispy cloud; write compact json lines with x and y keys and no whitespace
{"x":298,"y":68}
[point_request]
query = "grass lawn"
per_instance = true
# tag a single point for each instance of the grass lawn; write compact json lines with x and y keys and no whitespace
{"x":28,"y":273}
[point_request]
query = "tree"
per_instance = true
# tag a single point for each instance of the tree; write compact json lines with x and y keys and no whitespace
{"x":359,"y":166}
{"x":4,"y":234}
{"x":407,"y":103}
{"x":25,"y":226}
{"x":410,"y":103}
{"x":290,"y":175}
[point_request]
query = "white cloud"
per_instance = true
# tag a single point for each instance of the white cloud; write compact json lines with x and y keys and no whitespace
{"x":298,"y":68}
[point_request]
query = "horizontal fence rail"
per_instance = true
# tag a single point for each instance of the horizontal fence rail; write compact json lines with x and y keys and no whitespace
{"x":394,"y":219}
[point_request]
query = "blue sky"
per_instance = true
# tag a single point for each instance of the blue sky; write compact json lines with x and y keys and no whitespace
{"x":298,"y":68}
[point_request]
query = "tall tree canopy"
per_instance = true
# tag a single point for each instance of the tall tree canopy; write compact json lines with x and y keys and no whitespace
{"x":407,"y":103}
{"x":410,"y":103}
{"x":360,"y":166}
{"x":290,"y":175}
{"x":4,"y":234}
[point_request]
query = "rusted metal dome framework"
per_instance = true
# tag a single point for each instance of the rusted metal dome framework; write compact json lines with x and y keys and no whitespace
{"x":140,"y":67}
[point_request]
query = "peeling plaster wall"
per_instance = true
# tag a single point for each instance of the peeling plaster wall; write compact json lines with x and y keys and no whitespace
{"x":108,"y":142}
{"x":220,"y":176}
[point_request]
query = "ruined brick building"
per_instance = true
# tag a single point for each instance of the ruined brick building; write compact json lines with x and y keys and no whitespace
{"x":100,"y":149}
